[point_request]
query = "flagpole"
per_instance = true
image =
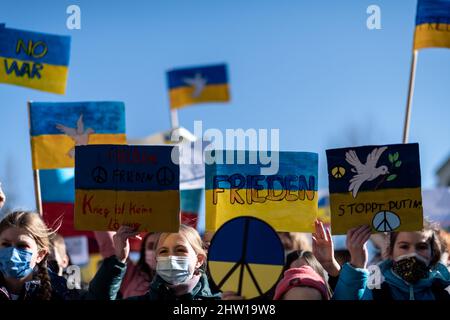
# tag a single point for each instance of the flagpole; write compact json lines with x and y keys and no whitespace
{"x":37,"y":185}
{"x":174,"y":118}
{"x":412,"y":77}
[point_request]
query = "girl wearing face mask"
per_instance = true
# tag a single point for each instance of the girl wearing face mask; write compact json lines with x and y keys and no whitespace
{"x":137,"y":278}
{"x":180,"y":263}
{"x":24,"y":248}
{"x":412,"y":270}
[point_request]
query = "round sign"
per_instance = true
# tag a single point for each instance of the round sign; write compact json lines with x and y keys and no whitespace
{"x":385,"y":221}
{"x":246,"y":256}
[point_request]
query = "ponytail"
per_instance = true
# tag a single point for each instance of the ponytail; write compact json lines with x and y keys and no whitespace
{"x":45,"y":289}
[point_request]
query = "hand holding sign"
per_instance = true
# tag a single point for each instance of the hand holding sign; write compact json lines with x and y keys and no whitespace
{"x":121,"y":243}
{"x":356,"y":245}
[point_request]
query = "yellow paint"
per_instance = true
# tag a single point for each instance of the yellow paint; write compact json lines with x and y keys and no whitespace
{"x":290,"y":216}
{"x":182,"y":96}
{"x":344,"y":217}
{"x":52,"y":78}
{"x":429,"y":35}
{"x":51,"y":151}
{"x":266,"y":276}
{"x":152,"y":210}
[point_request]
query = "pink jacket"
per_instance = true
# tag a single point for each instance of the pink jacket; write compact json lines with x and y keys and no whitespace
{"x":135,"y":282}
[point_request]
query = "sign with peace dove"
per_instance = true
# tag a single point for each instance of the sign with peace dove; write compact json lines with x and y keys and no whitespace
{"x":375,"y":185}
{"x":126,"y":185}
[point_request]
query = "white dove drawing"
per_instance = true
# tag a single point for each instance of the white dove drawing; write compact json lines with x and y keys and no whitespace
{"x":364,"y":172}
{"x":198,"y":83}
{"x":78,"y":134}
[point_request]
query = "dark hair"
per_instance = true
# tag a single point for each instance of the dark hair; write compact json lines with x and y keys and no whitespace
{"x":142,"y":264}
{"x":434,"y":240}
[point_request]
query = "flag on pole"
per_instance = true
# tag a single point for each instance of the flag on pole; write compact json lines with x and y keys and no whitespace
{"x":35,"y":60}
{"x":432,"y":24}
{"x":56,"y":128}
{"x":194,"y":85}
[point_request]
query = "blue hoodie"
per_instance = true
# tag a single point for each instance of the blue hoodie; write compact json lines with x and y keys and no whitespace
{"x":352,"y":283}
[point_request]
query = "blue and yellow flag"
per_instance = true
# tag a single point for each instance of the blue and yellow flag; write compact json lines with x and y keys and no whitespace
{"x":378,"y":186}
{"x":286,"y":199}
{"x":35,"y":60}
{"x":132,"y":185}
{"x":432,"y":24}
{"x":57,"y":127}
{"x":198,"y":85}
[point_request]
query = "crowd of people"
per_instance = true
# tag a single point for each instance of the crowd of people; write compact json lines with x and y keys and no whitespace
{"x":172,"y":266}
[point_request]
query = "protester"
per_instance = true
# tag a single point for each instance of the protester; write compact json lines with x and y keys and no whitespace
{"x":180,"y":274}
{"x":138,"y":276}
{"x":412,"y":270}
{"x":24,"y":248}
{"x":58,"y":259}
{"x":302,"y":283}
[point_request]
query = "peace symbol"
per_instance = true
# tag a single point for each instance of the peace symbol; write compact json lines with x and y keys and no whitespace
{"x":99,"y":175}
{"x":165,"y":176}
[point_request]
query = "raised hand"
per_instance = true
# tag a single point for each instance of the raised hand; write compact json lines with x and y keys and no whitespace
{"x":356,"y":245}
{"x":323,"y":249}
{"x":121,"y":243}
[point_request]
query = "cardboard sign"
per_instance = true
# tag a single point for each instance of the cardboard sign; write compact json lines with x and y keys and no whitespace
{"x":126,"y":185}
{"x":286,"y":200}
{"x":35,"y":60}
{"x":377,"y":186}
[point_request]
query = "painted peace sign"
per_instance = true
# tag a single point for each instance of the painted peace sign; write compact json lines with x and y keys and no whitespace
{"x":385,"y":221}
{"x":245,"y":256}
{"x":165,"y":176}
{"x":99,"y":175}
{"x":338,"y":172}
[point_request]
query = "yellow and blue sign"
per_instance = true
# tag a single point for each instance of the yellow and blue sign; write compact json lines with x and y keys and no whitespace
{"x":198,"y":85}
{"x":56,"y":128}
{"x":287,"y":200}
{"x":126,"y":185}
{"x":35,"y":60}
{"x":432,"y":24}
{"x":246,"y":256}
{"x":378,"y":186}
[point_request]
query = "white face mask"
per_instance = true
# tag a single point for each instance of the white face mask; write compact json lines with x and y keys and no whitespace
{"x":174,"y":269}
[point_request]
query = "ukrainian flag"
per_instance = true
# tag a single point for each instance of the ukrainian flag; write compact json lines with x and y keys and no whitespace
{"x":35,"y":60}
{"x":287,"y":200}
{"x":432,"y":24}
{"x":56,"y":128}
{"x":198,"y":85}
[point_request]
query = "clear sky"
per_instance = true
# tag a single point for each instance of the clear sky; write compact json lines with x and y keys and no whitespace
{"x":309,"y":68}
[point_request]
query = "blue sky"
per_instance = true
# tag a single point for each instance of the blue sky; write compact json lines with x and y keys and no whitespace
{"x":309,"y":68}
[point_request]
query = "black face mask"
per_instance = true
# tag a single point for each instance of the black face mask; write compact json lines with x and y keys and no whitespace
{"x":411,"y":267}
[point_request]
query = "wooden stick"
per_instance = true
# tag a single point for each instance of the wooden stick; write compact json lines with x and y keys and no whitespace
{"x":37,"y":185}
{"x":412,"y":77}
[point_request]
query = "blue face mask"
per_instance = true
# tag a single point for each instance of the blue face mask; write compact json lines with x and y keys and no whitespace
{"x":15,"y":263}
